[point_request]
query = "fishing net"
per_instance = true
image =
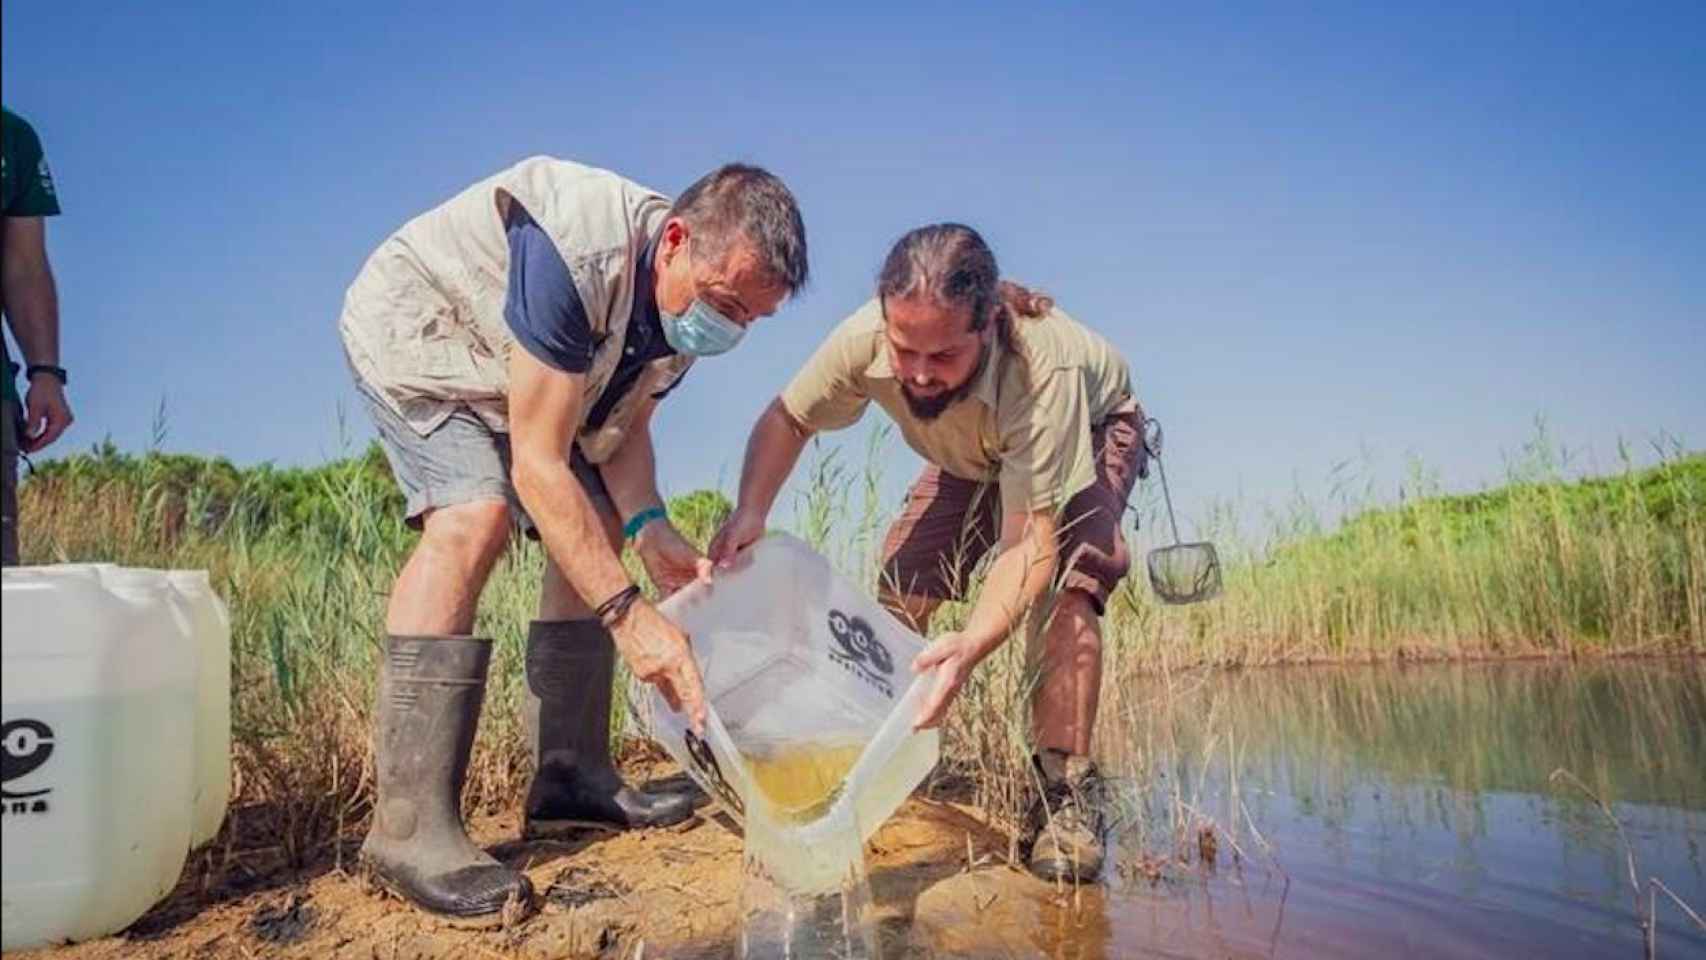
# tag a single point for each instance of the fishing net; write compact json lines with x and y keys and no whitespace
{"x":1183,"y":572}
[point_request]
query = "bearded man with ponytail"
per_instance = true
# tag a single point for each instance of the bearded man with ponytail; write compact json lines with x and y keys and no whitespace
{"x":1032,"y":439}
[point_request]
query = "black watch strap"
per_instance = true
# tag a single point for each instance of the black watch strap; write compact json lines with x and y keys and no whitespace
{"x":57,"y":373}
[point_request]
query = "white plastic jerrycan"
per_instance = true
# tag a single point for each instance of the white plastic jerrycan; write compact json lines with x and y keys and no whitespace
{"x":97,"y":688}
{"x":211,"y":627}
{"x":811,"y":703}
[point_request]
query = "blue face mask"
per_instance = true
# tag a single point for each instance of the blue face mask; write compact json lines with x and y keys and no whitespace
{"x":700,"y":331}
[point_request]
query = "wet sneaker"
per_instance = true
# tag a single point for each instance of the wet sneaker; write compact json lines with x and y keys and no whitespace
{"x":1065,"y":825}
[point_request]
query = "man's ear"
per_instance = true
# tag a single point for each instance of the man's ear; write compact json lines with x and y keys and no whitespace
{"x":674,"y":237}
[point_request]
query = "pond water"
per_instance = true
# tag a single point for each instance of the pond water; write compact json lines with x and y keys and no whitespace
{"x":1391,"y":811}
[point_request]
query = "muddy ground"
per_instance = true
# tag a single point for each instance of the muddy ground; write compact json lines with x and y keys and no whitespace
{"x":940,"y":877}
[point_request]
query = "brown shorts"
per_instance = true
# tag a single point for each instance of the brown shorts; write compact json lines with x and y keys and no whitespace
{"x":948,"y":524}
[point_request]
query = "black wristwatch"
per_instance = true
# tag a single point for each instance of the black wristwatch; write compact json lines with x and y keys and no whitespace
{"x":47,"y":368}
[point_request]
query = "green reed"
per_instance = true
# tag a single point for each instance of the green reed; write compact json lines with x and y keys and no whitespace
{"x":1540,"y":566}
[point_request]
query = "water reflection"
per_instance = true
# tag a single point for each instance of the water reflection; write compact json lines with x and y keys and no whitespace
{"x":1413,"y":807}
{"x":1397,"y":811}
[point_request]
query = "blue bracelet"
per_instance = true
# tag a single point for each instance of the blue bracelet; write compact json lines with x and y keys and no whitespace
{"x":632,"y":528}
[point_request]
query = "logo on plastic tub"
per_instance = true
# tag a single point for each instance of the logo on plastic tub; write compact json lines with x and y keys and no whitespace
{"x":27,"y":745}
{"x":705,"y":762}
{"x":858,"y":651}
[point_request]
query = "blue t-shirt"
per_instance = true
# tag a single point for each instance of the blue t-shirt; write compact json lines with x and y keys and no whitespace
{"x":545,"y":313}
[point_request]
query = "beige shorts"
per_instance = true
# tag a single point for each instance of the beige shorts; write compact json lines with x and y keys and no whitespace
{"x":463,"y":461}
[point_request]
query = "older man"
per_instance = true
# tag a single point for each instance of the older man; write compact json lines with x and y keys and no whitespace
{"x":511,"y":346}
{"x":1032,"y":437}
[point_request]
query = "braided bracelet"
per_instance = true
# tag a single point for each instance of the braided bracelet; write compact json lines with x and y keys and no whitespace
{"x":613,"y":610}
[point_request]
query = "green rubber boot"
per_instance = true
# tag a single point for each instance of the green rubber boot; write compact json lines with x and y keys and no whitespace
{"x":429,"y":707}
{"x":570,"y":666}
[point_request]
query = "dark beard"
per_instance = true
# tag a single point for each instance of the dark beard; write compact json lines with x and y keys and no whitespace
{"x":929,"y":408}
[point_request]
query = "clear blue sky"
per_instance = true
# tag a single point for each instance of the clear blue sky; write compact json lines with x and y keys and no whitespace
{"x":1314,"y":234}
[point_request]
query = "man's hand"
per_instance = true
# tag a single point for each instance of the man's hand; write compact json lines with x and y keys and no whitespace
{"x":672,"y":562}
{"x":657,"y":652}
{"x":739,"y":531}
{"x":46,"y":414}
{"x":953,"y":656}
{"x":544,"y":413}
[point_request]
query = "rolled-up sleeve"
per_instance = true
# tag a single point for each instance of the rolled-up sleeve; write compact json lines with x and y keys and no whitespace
{"x":541,"y":306}
{"x":828,"y":393}
{"x":35,"y":195}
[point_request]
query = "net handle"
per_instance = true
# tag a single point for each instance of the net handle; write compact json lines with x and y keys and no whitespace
{"x":1152,"y":444}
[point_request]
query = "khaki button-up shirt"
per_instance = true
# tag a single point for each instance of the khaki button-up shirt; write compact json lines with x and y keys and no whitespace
{"x":1026,"y":424}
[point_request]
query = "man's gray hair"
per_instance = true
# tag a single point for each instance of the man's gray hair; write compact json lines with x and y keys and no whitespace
{"x":751,"y":204}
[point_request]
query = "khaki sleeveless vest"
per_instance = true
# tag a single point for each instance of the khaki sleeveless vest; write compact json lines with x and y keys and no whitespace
{"x":423,"y":323}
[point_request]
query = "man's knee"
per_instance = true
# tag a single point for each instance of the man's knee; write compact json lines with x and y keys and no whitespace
{"x":1077,"y":607}
{"x":469,"y":535}
{"x":1074,"y":628}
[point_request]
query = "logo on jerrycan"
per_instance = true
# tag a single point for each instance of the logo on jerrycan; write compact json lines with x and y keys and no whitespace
{"x":27,"y":744}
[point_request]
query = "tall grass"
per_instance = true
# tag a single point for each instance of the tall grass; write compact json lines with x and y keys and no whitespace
{"x":1542,"y":566}
{"x":306,"y":558}
{"x":1538,"y":566}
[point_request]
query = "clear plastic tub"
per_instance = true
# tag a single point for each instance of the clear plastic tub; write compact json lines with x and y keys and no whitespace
{"x":779,"y":922}
{"x":811,"y":703}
